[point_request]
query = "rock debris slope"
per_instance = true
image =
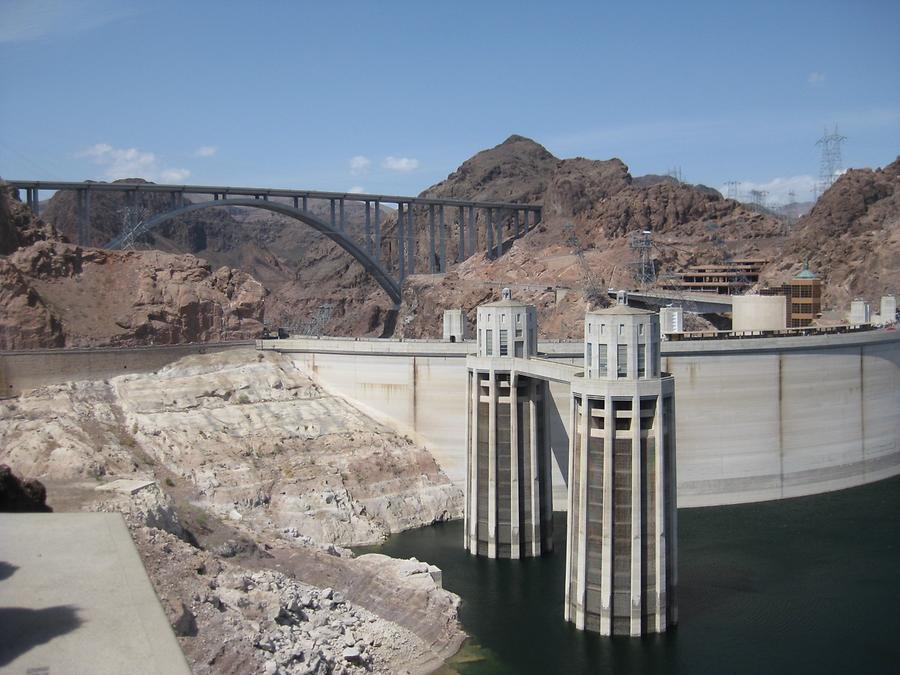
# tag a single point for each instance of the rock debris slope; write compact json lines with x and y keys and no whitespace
{"x":242,"y":481}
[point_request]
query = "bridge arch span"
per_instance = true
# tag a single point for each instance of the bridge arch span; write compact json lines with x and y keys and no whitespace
{"x":379,"y":273}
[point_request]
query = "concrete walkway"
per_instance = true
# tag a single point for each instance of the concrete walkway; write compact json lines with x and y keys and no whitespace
{"x":74,"y":598}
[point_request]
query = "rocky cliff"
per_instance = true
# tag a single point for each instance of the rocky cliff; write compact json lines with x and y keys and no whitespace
{"x":59,"y":294}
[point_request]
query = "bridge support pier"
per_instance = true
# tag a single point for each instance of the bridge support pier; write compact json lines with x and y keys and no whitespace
{"x":509,"y":509}
{"x":33,"y":201}
{"x":377,"y":231}
{"x":368,"y":227}
{"x":473,"y":242}
{"x":83,"y":201}
{"x":443,"y":237}
{"x":490,"y":232}
{"x":401,"y":240}
{"x":461,"y":222}
{"x":431,"y":249}
{"x":410,"y":240}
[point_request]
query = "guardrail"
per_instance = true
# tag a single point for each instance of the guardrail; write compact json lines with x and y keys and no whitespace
{"x":783,"y":332}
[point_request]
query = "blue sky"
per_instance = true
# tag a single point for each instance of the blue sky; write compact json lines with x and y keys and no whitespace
{"x":391,"y":97}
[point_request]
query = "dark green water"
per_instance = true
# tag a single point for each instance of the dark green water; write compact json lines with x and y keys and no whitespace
{"x":808,"y":585}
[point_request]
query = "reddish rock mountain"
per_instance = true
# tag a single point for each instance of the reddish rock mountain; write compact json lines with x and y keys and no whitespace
{"x":58,"y":294}
{"x":595,"y":205}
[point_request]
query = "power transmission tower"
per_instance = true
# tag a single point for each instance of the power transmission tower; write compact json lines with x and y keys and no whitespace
{"x":133,"y":218}
{"x":675,"y":172}
{"x":642,"y":242}
{"x":792,"y":197}
{"x":732,"y":186}
{"x":594,"y":293}
{"x":758,"y":197}
{"x":830,"y":164}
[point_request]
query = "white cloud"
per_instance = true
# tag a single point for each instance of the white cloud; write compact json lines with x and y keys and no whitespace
{"x":206,"y":151}
{"x":816,"y":79}
{"x":174,"y":175}
{"x":359,"y":165}
{"x":778,"y":188}
{"x":131,"y":163}
{"x":122,"y":162}
{"x":400,"y":163}
{"x":356,"y":190}
{"x":28,"y":20}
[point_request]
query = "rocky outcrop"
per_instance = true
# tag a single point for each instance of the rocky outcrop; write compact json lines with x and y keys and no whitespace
{"x":21,"y":496}
{"x":58,"y":294}
{"x":61,"y":295}
{"x":18,"y":227}
{"x":851,"y":237}
{"x":26,"y":321}
{"x":577,"y":185}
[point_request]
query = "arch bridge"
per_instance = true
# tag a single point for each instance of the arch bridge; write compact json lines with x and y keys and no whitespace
{"x":390,"y":259}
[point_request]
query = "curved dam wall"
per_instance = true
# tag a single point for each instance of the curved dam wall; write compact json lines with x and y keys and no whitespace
{"x":756,"y":419}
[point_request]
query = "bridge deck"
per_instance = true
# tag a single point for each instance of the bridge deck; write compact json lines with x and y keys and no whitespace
{"x":259,"y":192}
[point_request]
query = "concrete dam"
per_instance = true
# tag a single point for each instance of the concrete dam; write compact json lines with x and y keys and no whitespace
{"x":758,"y":418}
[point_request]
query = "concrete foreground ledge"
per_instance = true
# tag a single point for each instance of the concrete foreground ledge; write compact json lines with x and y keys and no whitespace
{"x":74,"y":598}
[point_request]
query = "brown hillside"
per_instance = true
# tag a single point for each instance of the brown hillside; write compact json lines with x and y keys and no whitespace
{"x":851,"y":237}
{"x":59,"y":294}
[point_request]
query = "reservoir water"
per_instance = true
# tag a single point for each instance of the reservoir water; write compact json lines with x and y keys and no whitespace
{"x":807,"y":585}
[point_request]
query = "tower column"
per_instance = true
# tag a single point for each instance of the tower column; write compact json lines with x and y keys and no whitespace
{"x":534,"y":486}
{"x":581,"y":530}
{"x":636,"y":516}
{"x":571,"y":570}
{"x":660,"y":512}
{"x":515,"y":542}
{"x":492,"y":466}
{"x":472,"y":459}
{"x":606,"y":545}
